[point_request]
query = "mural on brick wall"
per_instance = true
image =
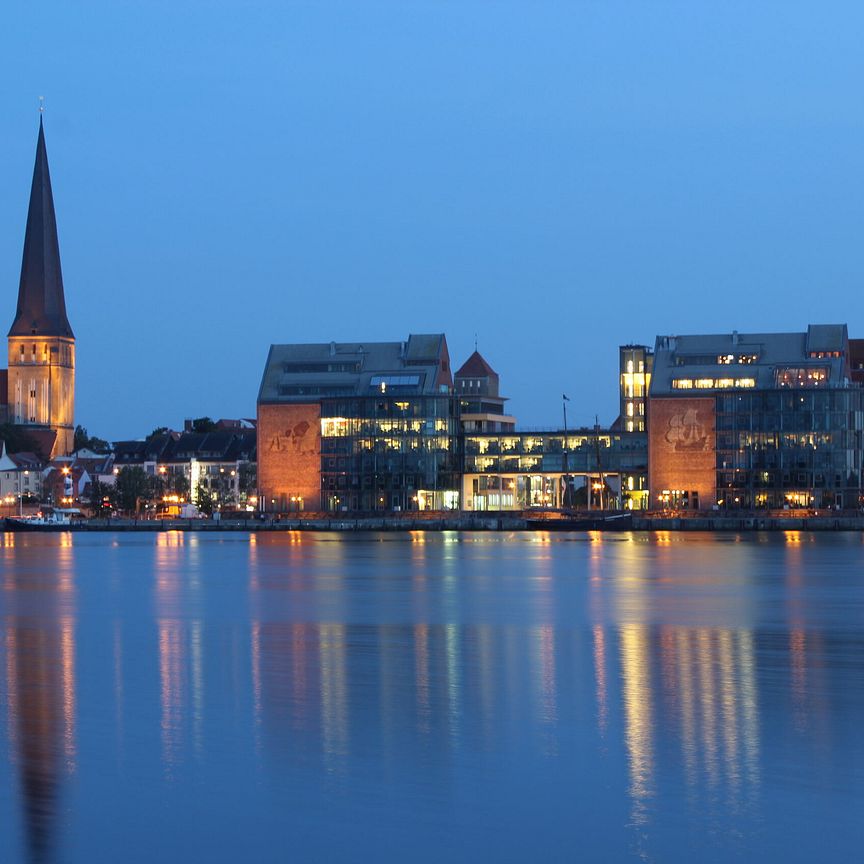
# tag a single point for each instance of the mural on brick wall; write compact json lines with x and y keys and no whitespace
{"x":289,"y":456}
{"x":681,"y":449}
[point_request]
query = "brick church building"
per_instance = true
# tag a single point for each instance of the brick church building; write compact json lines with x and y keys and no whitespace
{"x":37,"y":391}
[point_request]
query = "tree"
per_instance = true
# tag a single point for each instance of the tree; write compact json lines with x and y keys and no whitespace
{"x":203,"y":425}
{"x":101,"y":497}
{"x":17,"y":439}
{"x":133,"y":485}
{"x":204,"y":499}
{"x":159,"y":430}
{"x":178,"y":484}
{"x":248,"y":480}
{"x":83,"y":441}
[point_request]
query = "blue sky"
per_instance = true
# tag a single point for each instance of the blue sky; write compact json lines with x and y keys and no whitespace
{"x":558,"y":178}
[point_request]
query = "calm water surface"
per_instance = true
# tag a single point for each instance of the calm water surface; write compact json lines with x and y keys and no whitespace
{"x":456,"y":697}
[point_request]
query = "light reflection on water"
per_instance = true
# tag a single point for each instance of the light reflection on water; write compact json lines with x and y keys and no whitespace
{"x":499,"y":696}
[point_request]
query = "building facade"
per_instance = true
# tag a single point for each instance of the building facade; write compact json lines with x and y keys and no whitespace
{"x":636,"y":363}
{"x":40,"y":380}
{"x":522,"y":470}
{"x":481,"y":406}
{"x":222,"y":462}
{"x":350,"y":426}
{"x":752,"y":421}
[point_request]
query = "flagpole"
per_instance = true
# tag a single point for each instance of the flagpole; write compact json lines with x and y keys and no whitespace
{"x":564,"y":496}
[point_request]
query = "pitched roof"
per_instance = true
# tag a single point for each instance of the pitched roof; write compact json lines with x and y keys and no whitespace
{"x":476,"y":367}
{"x":304,"y":373}
{"x":697,"y":357}
{"x":41,"y":302}
{"x":44,"y":439}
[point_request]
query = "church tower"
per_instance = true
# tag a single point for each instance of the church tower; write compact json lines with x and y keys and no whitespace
{"x":41,"y":386}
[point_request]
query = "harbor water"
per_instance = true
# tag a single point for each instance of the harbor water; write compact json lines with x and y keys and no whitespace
{"x":431,"y":696}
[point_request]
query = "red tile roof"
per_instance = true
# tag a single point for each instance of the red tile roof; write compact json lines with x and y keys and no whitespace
{"x":476,"y":367}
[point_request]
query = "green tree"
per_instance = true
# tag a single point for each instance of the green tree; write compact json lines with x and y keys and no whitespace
{"x":248,"y":480}
{"x":203,"y":424}
{"x":204,"y":499}
{"x":178,"y":484}
{"x":83,"y":441}
{"x":101,"y":497}
{"x":159,"y":430}
{"x":17,"y":439}
{"x":133,"y":486}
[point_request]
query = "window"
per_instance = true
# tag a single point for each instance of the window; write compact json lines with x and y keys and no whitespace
{"x":794,"y":377}
{"x":712,"y":383}
{"x":290,"y":367}
{"x":394,"y":381}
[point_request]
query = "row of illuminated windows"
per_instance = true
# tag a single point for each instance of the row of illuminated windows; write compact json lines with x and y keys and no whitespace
{"x":792,"y":376}
{"x":635,"y":385}
{"x":344,"y":427}
{"x":534,"y":443}
{"x":715,"y":359}
{"x":384,"y":444}
{"x":712,"y":383}
{"x":42,"y":354}
{"x":840,"y":440}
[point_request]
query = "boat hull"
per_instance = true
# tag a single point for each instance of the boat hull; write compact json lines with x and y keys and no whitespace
{"x":13,"y":524}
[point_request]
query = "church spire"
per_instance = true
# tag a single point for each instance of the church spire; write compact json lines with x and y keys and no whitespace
{"x":41,"y":303}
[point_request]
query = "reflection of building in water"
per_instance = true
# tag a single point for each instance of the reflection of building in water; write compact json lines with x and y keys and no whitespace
{"x":706,"y":690}
{"x":636,"y":674}
{"x":40,"y":682}
{"x":180,"y":648}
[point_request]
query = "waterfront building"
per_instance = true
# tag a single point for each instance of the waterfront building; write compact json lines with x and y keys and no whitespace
{"x":223,"y":462}
{"x":351,"y":426}
{"x":521,"y":470}
{"x":40,"y":381}
{"x":481,"y":407}
{"x":757,"y":420}
{"x":635,"y":365}
{"x":20,"y":477}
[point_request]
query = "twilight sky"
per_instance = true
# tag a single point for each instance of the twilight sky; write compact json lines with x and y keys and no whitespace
{"x":558,"y":178}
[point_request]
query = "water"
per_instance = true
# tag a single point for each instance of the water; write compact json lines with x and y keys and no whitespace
{"x":431,"y":697}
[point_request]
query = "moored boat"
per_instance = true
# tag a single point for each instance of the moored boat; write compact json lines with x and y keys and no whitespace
{"x":56,"y":520}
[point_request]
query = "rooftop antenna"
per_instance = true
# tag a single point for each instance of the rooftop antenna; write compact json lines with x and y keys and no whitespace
{"x":41,"y":105}
{"x":475,"y":341}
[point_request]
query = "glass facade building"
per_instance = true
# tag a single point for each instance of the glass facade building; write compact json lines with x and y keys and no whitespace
{"x":389,"y":453}
{"x":799,"y":447}
{"x":756,"y":421}
{"x":607,"y":470}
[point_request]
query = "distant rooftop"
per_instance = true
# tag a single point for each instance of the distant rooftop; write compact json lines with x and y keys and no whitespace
{"x":310,"y":372}
{"x":748,"y":360}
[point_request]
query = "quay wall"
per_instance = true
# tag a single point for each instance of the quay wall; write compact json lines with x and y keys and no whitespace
{"x":485,"y":522}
